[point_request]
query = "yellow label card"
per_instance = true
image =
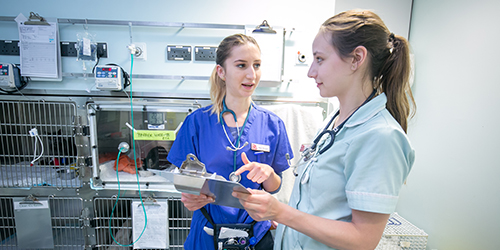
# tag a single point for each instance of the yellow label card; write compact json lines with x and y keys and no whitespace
{"x":154,"y":135}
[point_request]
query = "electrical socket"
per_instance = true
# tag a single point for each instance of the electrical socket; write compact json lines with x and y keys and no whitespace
{"x":141,"y":51}
{"x":179,"y":53}
{"x":9,"y":47}
{"x":69,"y":49}
{"x":202,"y":53}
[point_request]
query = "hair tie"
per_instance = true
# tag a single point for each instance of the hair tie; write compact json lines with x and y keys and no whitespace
{"x":391,"y":37}
{"x":392,"y":42}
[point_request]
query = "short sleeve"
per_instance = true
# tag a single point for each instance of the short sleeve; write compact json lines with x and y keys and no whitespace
{"x":284,"y":151}
{"x":376,"y":166}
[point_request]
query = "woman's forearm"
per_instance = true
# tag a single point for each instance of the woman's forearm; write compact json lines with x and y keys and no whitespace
{"x":363,"y":232}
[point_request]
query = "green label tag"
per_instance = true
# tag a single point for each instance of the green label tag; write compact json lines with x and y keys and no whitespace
{"x":154,"y":135}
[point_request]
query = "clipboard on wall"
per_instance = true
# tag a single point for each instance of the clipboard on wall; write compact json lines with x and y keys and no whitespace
{"x":271,"y":42}
{"x":156,"y":233}
{"x":39,"y":50}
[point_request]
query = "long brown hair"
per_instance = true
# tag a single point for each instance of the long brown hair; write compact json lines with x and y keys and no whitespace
{"x":389,"y":56}
{"x":217,"y":85}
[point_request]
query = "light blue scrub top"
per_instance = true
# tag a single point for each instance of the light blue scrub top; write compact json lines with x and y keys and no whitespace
{"x":363,"y":170}
{"x":202,"y":134}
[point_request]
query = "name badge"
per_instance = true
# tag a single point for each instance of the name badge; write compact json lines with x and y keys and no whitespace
{"x":304,"y":146}
{"x":260,"y":147}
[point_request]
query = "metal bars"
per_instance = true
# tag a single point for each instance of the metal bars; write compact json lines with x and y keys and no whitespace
{"x":121,"y":223}
{"x":37,"y":144}
{"x":65,"y":217}
{"x":7,"y":224}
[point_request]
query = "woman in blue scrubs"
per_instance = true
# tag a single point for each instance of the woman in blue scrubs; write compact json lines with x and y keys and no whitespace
{"x":348,"y":182}
{"x":234,"y":138}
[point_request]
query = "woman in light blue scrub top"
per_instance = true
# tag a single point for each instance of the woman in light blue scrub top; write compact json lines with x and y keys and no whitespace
{"x":233,"y":137}
{"x":349,"y":180}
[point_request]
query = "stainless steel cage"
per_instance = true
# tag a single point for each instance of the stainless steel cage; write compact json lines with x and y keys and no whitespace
{"x":148,"y":142}
{"x":37,"y":144}
{"x":66,"y":223}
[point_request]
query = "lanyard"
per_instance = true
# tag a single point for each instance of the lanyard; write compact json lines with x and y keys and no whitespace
{"x":234,"y":147}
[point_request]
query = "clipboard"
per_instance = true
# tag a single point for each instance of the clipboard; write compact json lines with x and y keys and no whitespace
{"x":156,"y":233}
{"x":33,"y":223}
{"x":39,"y":47}
{"x":36,"y":19}
{"x":192,"y":178}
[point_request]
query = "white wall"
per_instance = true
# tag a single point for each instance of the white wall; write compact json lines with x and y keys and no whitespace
{"x":395,"y":13}
{"x":453,"y":191}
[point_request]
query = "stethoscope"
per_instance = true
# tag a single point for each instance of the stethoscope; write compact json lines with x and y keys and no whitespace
{"x":233,"y":147}
{"x":314,"y":150}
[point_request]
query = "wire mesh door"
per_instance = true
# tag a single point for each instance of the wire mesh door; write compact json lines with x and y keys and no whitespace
{"x":37,"y":144}
{"x":65,"y":218}
{"x":121,"y":226}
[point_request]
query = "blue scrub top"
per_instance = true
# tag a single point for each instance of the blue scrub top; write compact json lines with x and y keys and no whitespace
{"x":202,"y":134}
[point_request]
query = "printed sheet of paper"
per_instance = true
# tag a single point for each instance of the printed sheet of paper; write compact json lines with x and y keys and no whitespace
{"x":156,"y":233}
{"x":39,"y":49}
{"x":271,"y":47}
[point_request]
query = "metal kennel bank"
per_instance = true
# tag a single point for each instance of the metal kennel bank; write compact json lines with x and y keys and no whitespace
{"x":59,"y":189}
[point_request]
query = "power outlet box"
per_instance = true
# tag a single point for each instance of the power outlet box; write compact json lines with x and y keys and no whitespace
{"x":9,"y":47}
{"x":69,"y":49}
{"x":179,"y":53}
{"x":203,"y":53}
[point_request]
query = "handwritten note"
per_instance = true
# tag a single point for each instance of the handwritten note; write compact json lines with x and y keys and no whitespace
{"x":154,"y":135}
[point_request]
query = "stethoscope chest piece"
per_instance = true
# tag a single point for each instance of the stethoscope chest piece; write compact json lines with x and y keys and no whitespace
{"x":234,"y":178}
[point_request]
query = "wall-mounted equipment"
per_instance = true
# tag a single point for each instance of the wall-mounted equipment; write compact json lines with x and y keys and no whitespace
{"x":9,"y":47}
{"x":141,"y":51}
{"x":110,"y":77}
{"x":205,"y":53}
{"x":179,"y":53}
{"x":10,"y":78}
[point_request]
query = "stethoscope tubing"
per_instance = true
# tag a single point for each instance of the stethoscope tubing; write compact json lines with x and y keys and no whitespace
{"x":312,"y":151}
{"x":232,"y":146}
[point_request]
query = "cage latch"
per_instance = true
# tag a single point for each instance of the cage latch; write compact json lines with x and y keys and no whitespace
{"x":85,"y":218}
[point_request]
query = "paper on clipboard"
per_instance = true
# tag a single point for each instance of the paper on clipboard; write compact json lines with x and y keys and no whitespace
{"x":39,"y":49}
{"x":156,"y":234}
{"x":218,"y":188}
{"x":271,"y":48}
